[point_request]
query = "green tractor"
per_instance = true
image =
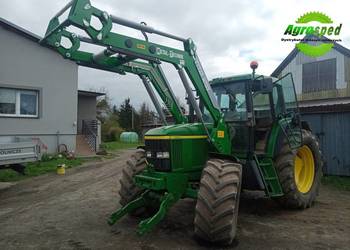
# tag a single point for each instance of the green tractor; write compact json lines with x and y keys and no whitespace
{"x":247,"y":131}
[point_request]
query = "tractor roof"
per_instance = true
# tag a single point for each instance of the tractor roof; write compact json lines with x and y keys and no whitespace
{"x":236,"y":78}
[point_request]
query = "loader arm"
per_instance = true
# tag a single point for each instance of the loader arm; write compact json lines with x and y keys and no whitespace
{"x":128,"y":49}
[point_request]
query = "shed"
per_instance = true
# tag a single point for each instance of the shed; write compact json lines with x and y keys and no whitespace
{"x":323,"y":90}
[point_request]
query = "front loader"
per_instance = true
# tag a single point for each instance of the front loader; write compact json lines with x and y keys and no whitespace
{"x":247,"y":132}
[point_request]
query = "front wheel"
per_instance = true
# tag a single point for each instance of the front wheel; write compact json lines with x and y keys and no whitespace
{"x":218,"y":200}
{"x":300,"y":172}
{"x":128,"y":189}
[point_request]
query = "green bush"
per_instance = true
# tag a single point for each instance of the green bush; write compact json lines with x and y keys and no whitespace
{"x":110,"y":131}
{"x":114,"y":133}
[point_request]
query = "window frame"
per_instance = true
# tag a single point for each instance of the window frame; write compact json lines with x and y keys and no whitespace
{"x":18,"y":92}
{"x":318,"y":75}
{"x":223,"y":89}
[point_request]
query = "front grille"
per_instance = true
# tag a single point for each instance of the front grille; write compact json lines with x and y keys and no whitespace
{"x":154,"y":146}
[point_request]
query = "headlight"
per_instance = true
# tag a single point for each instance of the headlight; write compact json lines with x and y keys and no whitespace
{"x":148,"y":154}
{"x":163,"y":155}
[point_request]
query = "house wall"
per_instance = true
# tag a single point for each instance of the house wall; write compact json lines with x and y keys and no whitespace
{"x":296,"y":65}
{"x":26,"y":64}
{"x":86,"y":109}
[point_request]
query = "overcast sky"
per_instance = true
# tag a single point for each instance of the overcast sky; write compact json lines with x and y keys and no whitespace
{"x":228,"y":33}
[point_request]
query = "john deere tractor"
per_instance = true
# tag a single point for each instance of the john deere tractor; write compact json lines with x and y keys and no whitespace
{"x":246,"y":133}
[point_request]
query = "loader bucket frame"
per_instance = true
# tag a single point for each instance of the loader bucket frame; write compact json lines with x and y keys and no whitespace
{"x":127,"y":49}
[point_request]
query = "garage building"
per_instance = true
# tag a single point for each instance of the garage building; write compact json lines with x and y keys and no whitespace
{"x":323,"y":89}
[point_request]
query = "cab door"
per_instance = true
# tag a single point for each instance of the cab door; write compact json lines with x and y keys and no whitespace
{"x":235,"y":104}
{"x":287,"y":110}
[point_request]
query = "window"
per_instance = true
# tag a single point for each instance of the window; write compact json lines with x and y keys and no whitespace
{"x":231,"y":98}
{"x":261,"y":102}
{"x":285,"y":87}
{"x":318,"y":76}
{"x":277,"y":101}
{"x":18,"y":103}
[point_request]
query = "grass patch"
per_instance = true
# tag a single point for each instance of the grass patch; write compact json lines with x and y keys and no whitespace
{"x":117,"y":145}
{"x":338,"y":182}
{"x":43,"y":167}
{"x":10,"y":175}
{"x":40,"y":167}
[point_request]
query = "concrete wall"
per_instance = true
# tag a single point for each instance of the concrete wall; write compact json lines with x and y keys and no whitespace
{"x":26,"y":64}
{"x":86,"y":109}
{"x":296,"y":66}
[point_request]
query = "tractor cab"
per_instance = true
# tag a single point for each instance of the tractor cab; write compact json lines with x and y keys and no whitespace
{"x":252,"y":106}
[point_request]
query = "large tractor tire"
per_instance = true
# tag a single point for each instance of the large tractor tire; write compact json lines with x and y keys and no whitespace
{"x":218,"y":201}
{"x":128,"y":189}
{"x":299,"y":172}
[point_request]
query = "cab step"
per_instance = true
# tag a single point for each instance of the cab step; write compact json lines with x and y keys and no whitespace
{"x":270,"y":177}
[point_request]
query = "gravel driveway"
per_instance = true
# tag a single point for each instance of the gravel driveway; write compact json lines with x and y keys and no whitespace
{"x":70,"y":212}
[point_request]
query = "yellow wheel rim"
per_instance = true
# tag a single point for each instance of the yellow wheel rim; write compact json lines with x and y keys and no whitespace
{"x":304,"y":169}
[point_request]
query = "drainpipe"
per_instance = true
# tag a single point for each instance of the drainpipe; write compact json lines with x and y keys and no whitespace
{"x":58,"y":140}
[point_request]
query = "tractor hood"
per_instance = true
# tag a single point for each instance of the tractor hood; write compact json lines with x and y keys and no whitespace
{"x":179,"y":129}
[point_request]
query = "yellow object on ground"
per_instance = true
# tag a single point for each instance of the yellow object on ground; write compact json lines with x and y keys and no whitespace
{"x":304,"y":169}
{"x":61,"y":169}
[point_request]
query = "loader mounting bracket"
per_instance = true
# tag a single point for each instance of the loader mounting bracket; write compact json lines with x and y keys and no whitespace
{"x":165,"y":200}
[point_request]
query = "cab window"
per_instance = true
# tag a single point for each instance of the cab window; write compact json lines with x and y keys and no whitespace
{"x":232,"y":101}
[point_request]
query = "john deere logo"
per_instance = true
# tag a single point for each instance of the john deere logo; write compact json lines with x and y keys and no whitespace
{"x":315,"y":28}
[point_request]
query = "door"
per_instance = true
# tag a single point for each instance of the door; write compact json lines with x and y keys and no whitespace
{"x":332,"y":132}
{"x":263,"y":120}
{"x":233,"y":102}
{"x":286,"y":109}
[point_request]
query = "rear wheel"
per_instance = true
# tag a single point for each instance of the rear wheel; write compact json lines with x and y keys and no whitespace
{"x":300,"y":172}
{"x":218,"y":200}
{"x":128,"y":189}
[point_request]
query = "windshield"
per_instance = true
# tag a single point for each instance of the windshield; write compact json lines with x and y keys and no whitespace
{"x":232,"y":101}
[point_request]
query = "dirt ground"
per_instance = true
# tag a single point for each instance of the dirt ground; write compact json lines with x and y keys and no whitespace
{"x":70,"y":212}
